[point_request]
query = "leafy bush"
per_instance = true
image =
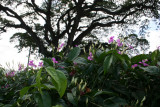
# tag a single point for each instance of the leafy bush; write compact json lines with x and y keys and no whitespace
{"x":101,"y":77}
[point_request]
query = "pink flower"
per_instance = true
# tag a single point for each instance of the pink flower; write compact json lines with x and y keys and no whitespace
{"x":131,"y":47}
{"x":143,"y":62}
{"x":19,"y":67}
{"x":119,"y":43}
{"x":135,"y":65}
{"x":54,"y":60}
{"x":119,"y":52}
{"x":32,"y":64}
{"x":40,"y":64}
{"x":90,"y":54}
{"x":111,"y":39}
{"x":61,"y":46}
{"x":10,"y":74}
{"x":90,"y":57}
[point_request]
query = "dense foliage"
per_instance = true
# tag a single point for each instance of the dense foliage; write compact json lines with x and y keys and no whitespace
{"x":47,"y":23}
{"x":100,"y":78}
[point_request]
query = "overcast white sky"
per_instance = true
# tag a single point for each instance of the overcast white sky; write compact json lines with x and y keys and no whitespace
{"x":9,"y":56}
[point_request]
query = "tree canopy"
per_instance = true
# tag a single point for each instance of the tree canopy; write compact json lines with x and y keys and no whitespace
{"x":47,"y":22}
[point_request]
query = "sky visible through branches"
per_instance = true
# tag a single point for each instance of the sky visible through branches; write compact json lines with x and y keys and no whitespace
{"x":10,"y":55}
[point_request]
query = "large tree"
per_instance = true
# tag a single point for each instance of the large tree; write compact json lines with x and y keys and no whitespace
{"x":45,"y":24}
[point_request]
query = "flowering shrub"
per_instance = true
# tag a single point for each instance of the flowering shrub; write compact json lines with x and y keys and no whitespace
{"x":101,"y":77}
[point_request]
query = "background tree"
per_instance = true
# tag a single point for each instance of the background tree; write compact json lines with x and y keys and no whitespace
{"x":47,"y":23}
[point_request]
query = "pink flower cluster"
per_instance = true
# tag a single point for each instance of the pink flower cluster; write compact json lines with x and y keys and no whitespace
{"x":134,"y":66}
{"x":40,"y":64}
{"x":90,"y":57}
{"x":143,"y":63}
{"x":31,"y":63}
{"x":119,"y":52}
{"x":54,"y":60}
{"x":5,"y":86}
{"x":19,"y":67}
{"x":119,"y":43}
{"x":111,"y":39}
{"x":10,"y":74}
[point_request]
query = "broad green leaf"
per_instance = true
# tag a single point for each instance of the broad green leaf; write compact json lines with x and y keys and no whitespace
{"x":99,"y":52}
{"x":151,"y":69}
{"x":80,"y":60}
{"x":46,"y":98}
{"x":25,"y":97}
{"x":111,"y":52}
{"x":127,"y":59}
{"x":25,"y":90}
{"x":43,"y":100}
{"x":105,"y":92}
{"x":38,"y":81}
{"x":100,"y":56}
{"x":107,"y":63}
{"x":124,"y":64}
{"x":47,"y":62}
{"x":38,"y":99}
{"x":117,"y":100}
{"x":90,"y":69}
{"x":71,"y":99}
{"x":59,"y":80}
{"x":48,"y":86}
{"x":73,"y":53}
{"x":74,"y":91}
